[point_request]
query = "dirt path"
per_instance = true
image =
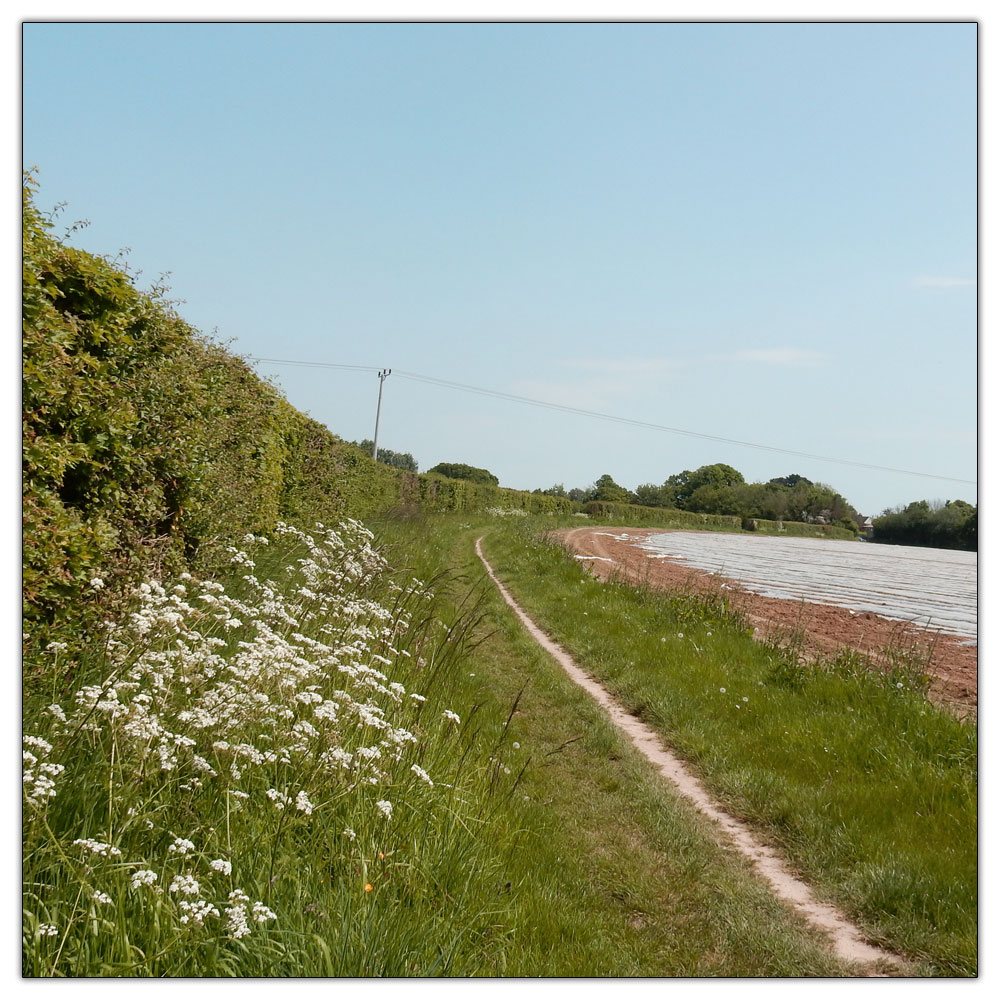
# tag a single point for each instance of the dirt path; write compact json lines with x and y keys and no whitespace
{"x":824,"y":629}
{"x":846,"y":939}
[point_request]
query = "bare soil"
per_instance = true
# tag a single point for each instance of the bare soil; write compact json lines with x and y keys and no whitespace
{"x":821,"y":629}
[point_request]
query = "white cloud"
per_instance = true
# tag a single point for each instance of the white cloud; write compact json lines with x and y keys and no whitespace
{"x":793,"y":356}
{"x":598,"y":383}
{"x":940,"y":281}
{"x":624,"y":366}
{"x":585,"y":394}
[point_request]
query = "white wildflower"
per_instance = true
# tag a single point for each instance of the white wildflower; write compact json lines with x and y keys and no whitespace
{"x":187,"y":885}
{"x":237,"y":925}
{"x":143,"y":877}
{"x":421,"y":773}
{"x":385,"y":808}
{"x":280,"y":799}
{"x":97,"y":847}
{"x":221,"y":865}
{"x":195,"y":913}
{"x":180,"y":846}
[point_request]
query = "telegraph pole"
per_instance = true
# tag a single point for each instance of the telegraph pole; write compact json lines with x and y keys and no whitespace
{"x":382,"y":376}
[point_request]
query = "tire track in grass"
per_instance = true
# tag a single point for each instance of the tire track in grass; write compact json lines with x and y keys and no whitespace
{"x":847,"y":940}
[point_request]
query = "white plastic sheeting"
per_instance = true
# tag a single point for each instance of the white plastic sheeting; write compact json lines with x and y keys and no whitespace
{"x":932,"y":588}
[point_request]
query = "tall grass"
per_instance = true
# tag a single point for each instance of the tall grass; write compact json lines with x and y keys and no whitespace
{"x":267,"y":778}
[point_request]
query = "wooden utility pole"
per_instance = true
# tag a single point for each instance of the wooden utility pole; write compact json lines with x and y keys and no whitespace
{"x":382,"y":376}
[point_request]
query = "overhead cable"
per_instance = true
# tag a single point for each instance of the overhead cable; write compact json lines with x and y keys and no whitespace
{"x":496,"y":394}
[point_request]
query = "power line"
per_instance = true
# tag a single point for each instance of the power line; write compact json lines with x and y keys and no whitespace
{"x":317,"y":364}
{"x":496,"y":394}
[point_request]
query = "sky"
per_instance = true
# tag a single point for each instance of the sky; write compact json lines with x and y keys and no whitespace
{"x":756,"y":233}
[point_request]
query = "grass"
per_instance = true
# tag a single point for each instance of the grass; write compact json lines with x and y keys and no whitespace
{"x":265,"y":779}
{"x":544,"y":847}
{"x":868,"y":788}
{"x":618,"y":877}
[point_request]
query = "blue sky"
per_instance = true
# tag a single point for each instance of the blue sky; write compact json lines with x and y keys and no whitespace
{"x":762,"y":232}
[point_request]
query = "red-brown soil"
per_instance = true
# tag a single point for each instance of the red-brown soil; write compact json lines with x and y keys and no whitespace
{"x":821,"y":628}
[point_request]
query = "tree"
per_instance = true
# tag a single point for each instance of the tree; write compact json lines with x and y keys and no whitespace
{"x":649,"y":495}
{"x":397,"y":459}
{"x":713,"y":498}
{"x":680,"y":487}
{"x":607,"y":489}
{"x":459,"y":470}
{"x":952,"y":525}
{"x":789,"y":481}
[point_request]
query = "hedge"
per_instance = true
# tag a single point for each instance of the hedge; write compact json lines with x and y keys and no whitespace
{"x":147,"y":448}
{"x":634,"y":515}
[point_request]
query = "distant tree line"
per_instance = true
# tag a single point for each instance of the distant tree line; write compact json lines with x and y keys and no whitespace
{"x":397,"y":459}
{"x":952,"y":525}
{"x":459,"y":470}
{"x":721,"y":489}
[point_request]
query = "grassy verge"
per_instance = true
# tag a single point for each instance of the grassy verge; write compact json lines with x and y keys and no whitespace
{"x":238,"y":780}
{"x":614,"y":875}
{"x":865,"y":786}
{"x":273,"y":775}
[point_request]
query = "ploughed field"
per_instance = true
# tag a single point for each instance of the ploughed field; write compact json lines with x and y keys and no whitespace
{"x":931,"y":588}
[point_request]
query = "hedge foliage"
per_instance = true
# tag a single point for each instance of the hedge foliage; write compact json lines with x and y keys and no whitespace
{"x":147,"y":448}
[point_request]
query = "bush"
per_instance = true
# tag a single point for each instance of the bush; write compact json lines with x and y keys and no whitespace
{"x":459,"y":470}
